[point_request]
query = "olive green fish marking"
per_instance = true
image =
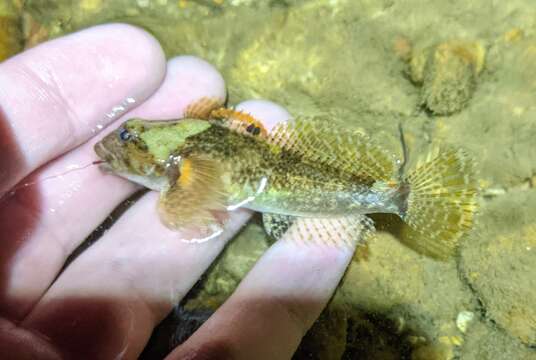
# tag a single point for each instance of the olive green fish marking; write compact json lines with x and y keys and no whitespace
{"x":300,"y":169}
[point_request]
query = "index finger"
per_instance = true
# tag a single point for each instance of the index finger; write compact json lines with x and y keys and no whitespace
{"x":59,"y":94}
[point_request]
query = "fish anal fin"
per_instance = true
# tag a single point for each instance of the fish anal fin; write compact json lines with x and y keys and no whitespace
{"x":194,"y":203}
{"x":202,"y":108}
{"x":344,"y":231}
{"x":318,"y":141}
{"x":240,"y":122}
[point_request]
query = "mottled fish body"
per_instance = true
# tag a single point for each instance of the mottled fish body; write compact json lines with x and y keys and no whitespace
{"x":267,"y":178}
{"x":300,"y":169}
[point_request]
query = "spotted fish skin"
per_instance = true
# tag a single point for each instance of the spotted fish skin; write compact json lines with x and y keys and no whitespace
{"x":299,"y":169}
{"x":289,"y":183}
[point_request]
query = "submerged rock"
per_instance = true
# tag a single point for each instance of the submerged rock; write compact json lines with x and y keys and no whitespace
{"x":498,"y":262}
{"x":11,"y":37}
{"x":326,"y":340}
{"x":485,"y":342}
{"x":420,"y":298}
{"x":448,"y":73}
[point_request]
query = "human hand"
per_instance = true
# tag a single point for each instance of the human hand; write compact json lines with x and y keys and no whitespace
{"x":55,"y":99}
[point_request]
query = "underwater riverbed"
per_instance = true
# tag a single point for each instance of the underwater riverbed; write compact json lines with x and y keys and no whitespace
{"x":462,"y":73}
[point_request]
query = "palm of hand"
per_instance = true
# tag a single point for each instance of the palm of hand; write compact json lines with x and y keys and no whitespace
{"x":106,"y":303}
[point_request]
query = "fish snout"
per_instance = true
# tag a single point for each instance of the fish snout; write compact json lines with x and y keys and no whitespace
{"x":101,"y":151}
{"x":104,"y":155}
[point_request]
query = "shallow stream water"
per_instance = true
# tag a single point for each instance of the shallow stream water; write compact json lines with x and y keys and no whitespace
{"x":462,"y":73}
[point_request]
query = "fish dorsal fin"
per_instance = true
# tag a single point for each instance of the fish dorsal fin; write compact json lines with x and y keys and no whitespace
{"x":240,"y":122}
{"x":351,"y":152}
{"x":195,"y":198}
{"x":202,"y":108}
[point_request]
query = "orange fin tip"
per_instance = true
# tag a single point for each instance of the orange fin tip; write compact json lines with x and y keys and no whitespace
{"x":240,"y":121}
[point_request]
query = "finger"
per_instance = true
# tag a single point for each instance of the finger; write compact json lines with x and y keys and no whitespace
{"x":278,"y":300}
{"x":57,"y":95}
{"x":138,"y":271}
{"x":266,"y":111}
{"x":122,"y":286}
{"x":72,"y":206}
{"x":189,"y":79}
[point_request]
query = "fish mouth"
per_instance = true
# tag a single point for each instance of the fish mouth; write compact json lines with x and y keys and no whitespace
{"x":105,"y":156}
{"x":106,"y":167}
{"x":101,"y":151}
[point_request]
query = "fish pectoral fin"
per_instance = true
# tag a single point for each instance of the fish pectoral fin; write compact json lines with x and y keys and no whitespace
{"x":194,"y":203}
{"x":276,"y":225}
{"x":202,"y":108}
{"x":196,"y":233}
{"x":339,"y":231}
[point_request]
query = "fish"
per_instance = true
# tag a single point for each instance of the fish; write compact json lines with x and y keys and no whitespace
{"x":207,"y":166}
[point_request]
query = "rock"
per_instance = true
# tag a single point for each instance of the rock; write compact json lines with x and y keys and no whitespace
{"x":448,"y":74}
{"x":464,"y":319}
{"x":486,"y":342}
{"x":176,"y":328}
{"x":498,"y":261}
{"x":420,"y":297}
{"x":235,"y":262}
{"x":10,"y":29}
{"x":436,"y":351}
{"x":498,"y":127}
{"x":326,"y":340}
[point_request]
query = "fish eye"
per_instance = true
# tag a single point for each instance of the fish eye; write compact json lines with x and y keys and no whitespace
{"x":124,"y":135}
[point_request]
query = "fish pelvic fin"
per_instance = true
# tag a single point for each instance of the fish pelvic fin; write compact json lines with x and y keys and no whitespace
{"x":440,"y":202}
{"x":194,"y":203}
{"x":275,"y":225}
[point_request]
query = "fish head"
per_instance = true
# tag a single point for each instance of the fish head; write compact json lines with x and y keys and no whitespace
{"x":139,"y":150}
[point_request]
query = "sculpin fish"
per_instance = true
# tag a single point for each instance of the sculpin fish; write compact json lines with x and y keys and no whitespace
{"x":206,"y":167}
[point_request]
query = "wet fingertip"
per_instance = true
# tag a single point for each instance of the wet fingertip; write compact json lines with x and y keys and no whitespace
{"x":77,"y":84}
{"x":135,"y":36}
{"x":136,"y":53}
{"x":268,"y":112}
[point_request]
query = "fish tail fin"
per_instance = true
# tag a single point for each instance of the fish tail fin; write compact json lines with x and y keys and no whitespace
{"x":441,"y":202}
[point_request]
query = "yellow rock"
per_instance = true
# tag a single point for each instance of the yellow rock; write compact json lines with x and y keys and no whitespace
{"x":10,"y":36}
{"x":402,"y":48}
{"x":456,"y":340}
{"x":513,"y":35}
{"x":448,"y":73}
{"x":417,"y":64}
{"x":436,"y":351}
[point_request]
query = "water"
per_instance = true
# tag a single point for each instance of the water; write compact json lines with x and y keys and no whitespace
{"x":368,"y":66}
